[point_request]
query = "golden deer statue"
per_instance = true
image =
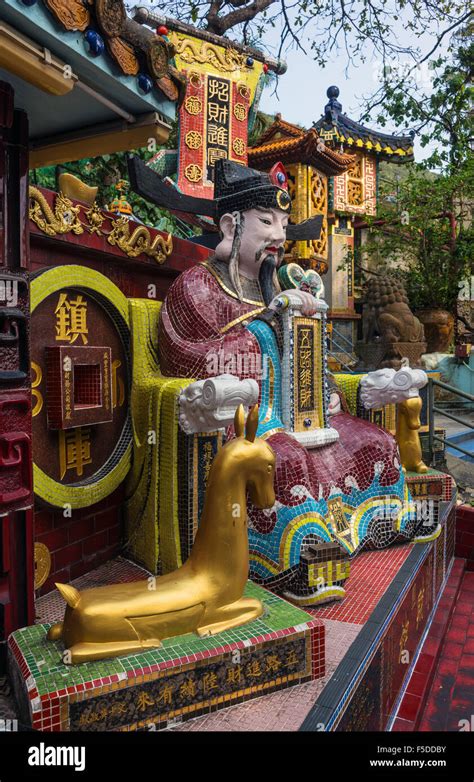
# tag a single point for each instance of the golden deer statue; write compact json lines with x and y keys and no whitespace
{"x":407,"y":436}
{"x":205,"y":594}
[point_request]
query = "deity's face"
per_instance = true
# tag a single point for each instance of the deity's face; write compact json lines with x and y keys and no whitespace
{"x":263,"y":235}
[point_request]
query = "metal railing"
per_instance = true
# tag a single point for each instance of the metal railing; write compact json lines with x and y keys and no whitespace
{"x":340,"y":336}
{"x":432,"y":409}
{"x":335,"y":338}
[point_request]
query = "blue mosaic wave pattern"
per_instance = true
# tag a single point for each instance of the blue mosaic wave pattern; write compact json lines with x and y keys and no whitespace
{"x":280,"y":549}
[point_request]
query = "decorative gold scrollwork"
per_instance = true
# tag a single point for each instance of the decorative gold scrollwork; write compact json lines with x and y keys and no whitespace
{"x":193,"y":172}
{"x":95,"y":219}
{"x":42,"y":564}
{"x":65,"y":218}
{"x":193,"y":105}
{"x":193,"y":139}
{"x":354,"y":193}
{"x":239,"y":146}
{"x":355,"y":183}
{"x":140,"y":241}
{"x":73,"y":15}
{"x":240,"y":111}
{"x":124,"y":54}
{"x":35,"y":393}
{"x":244,"y":90}
{"x":195,"y":79}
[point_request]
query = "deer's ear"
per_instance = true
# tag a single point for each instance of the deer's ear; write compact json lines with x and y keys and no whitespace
{"x":239,"y":421}
{"x":252,"y":424}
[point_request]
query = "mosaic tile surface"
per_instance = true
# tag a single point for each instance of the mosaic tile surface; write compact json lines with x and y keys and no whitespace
{"x":422,"y":686}
{"x":450,"y":701}
{"x":371,"y":574}
{"x":51,"y":674}
{"x":186,"y":675}
{"x":205,"y":328}
{"x":284,"y":710}
{"x":287,"y":708}
{"x":343,"y":622}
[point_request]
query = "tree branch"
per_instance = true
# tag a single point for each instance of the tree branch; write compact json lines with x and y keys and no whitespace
{"x":288,"y":28}
{"x":212,"y":15}
{"x":220,"y":24}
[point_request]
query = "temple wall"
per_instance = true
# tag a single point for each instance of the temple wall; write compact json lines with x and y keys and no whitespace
{"x":89,"y":536}
{"x":78,"y":544}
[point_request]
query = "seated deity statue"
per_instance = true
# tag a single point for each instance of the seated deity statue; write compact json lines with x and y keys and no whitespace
{"x":335,"y":495}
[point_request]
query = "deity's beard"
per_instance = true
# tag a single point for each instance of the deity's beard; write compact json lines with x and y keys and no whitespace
{"x":267,"y":278}
{"x":235,"y":252}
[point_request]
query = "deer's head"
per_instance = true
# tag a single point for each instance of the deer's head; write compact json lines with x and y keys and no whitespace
{"x":258,"y":459}
{"x":411,"y":409}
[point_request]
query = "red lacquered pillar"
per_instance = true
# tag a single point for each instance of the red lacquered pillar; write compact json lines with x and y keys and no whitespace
{"x":16,"y":484}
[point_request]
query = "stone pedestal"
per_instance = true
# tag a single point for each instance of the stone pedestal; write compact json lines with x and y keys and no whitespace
{"x":185,"y":677}
{"x":376,"y":355}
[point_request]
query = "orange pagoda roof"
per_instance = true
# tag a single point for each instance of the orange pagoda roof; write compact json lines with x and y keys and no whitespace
{"x":292,"y":144}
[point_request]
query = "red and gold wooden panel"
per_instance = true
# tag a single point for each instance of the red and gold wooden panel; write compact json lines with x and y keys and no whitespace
{"x":80,"y":368}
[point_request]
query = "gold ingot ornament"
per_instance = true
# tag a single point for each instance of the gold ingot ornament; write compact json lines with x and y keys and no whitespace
{"x":205,"y":595}
{"x":42,"y":564}
{"x":75,"y":188}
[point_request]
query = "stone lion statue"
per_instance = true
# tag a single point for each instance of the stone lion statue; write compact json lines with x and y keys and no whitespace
{"x":386,"y":313}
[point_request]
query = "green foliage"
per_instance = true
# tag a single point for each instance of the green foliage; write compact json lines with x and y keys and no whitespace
{"x":434,"y":98}
{"x":424,"y":219}
{"x":423,"y":233}
{"x":104,"y":172}
{"x":262,"y":123}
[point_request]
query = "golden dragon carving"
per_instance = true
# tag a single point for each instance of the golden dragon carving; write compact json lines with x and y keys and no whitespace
{"x":64,"y":218}
{"x":224,"y":59}
{"x":140,"y":241}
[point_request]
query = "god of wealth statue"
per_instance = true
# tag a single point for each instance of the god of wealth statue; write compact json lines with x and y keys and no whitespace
{"x":339,"y":483}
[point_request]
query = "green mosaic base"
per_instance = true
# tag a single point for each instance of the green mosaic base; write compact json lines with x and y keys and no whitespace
{"x":430,"y":474}
{"x":44,"y":682}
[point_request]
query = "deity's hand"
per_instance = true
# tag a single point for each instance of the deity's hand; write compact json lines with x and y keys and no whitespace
{"x":305,"y":302}
{"x":334,"y":406}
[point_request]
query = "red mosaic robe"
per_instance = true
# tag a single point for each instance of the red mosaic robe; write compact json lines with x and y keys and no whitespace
{"x":195,"y":311}
{"x":192,"y":316}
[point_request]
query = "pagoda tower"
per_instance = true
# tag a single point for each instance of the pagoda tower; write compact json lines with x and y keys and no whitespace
{"x":352,"y":196}
{"x":311,"y":166}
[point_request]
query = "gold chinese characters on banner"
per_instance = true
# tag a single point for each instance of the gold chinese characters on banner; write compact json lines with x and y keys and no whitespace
{"x":213,"y":120}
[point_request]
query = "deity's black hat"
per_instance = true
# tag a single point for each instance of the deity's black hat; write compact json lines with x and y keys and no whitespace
{"x":236,"y":189}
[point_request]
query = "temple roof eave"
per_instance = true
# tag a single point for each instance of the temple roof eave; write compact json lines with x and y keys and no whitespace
{"x":354,"y":135}
{"x":287,"y":129}
{"x":306,"y":148}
